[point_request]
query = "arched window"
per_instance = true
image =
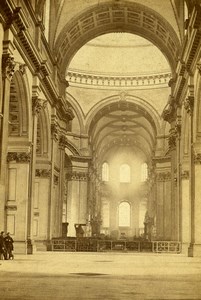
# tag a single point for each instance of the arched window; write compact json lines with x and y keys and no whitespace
{"x":125,"y":175}
{"x":124,"y":214}
{"x":105,"y":172}
{"x":144,"y":172}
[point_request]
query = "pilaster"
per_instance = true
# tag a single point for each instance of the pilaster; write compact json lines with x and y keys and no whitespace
{"x":77,"y":210}
{"x":37,"y":105}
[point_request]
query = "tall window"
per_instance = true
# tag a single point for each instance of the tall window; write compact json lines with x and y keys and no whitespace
{"x":124,"y":214}
{"x":125,"y":173}
{"x":105,"y":172}
{"x":144,"y":172}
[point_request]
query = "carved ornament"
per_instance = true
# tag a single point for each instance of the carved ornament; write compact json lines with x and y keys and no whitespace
{"x":11,"y":207}
{"x":77,"y":176}
{"x":62,"y":141}
{"x":172,"y":139}
{"x":185,"y":175}
{"x":43,"y":173}
{"x":197,"y":158}
{"x":22,"y":69}
{"x":169,"y":113}
{"x":163,"y":176}
{"x":56,"y":180}
{"x":54,"y":131}
{"x":189,"y":104}
{"x":8,"y":66}
{"x":37,"y":105}
{"x":19,"y":157}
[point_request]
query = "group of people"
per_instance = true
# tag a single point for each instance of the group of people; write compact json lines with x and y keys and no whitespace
{"x":6,"y":246}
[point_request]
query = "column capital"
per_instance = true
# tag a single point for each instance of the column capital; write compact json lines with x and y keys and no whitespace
{"x":197,"y":158}
{"x":163,"y":176}
{"x":8,"y":66}
{"x":43,"y":173}
{"x":19,"y":157}
{"x":77,"y":176}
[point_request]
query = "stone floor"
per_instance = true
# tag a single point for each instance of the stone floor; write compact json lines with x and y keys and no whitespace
{"x":108,"y":276}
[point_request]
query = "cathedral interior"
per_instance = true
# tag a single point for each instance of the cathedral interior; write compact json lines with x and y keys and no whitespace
{"x":100,"y":121}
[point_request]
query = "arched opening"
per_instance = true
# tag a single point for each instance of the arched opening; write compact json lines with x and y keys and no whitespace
{"x":125,"y":173}
{"x":18,"y":109}
{"x":105,"y":171}
{"x":124,"y":214}
{"x":112,"y":90}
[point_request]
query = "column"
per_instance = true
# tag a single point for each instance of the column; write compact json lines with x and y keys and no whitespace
{"x":7,"y":73}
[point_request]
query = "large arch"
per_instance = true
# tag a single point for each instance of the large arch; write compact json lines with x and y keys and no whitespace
{"x":19,"y":110}
{"x":116,"y":17}
{"x":113,"y":103}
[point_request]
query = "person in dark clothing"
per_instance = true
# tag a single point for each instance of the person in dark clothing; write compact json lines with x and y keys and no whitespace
{"x":2,"y":246}
{"x":9,"y":246}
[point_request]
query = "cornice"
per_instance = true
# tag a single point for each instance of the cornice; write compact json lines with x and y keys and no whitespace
{"x":190,"y":51}
{"x":15,"y":19}
{"x":108,"y":80}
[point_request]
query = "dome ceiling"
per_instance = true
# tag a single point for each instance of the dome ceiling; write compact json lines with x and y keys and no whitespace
{"x":121,"y":54}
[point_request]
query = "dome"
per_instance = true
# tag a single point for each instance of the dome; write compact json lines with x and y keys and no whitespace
{"x":120,"y":54}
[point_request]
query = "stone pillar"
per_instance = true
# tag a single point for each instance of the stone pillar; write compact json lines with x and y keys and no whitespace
{"x":37,"y":105}
{"x":7,"y":73}
{"x":77,"y":211}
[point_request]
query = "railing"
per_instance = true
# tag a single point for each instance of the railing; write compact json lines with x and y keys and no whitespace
{"x":166,"y":247}
{"x":95,"y":245}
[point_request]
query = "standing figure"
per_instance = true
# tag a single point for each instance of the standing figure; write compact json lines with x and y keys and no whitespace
{"x":2,"y":246}
{"x":9,"y":246}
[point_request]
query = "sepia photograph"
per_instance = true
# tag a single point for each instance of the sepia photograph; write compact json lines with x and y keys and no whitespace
{"x":100,"y":149}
